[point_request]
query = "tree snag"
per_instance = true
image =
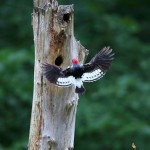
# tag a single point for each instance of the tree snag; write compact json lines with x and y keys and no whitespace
{"x":53,"y":109}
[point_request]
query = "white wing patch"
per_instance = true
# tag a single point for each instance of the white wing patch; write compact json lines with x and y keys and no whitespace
{"x":92,"y":76}
{"x":65,"y":81}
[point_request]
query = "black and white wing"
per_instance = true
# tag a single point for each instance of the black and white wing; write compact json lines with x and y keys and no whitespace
{"x":56,"y":75}
{"x":98,"y":66}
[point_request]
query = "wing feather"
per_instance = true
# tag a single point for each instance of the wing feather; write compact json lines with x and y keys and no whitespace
{"x":101,"y":62}
{"x":57,"y":75}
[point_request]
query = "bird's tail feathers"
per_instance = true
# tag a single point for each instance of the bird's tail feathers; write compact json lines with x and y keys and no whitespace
{"x":80,"y":90}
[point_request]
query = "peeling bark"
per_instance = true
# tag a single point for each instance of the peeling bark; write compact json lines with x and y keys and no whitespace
{"x":54,"y":108}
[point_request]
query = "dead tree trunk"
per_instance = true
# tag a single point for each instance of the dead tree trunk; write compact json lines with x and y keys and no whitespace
{"x":54,"y":108}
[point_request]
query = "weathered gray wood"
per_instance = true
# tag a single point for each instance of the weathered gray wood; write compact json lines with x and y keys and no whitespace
{"x":53,"y":108}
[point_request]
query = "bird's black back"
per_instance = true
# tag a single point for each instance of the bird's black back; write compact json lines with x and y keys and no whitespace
{"x":77,"y":71}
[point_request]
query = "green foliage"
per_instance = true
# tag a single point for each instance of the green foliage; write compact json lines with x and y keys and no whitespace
{"x":114,"y":112}
{"x":15,"y":23}
{"x":15,"y":94}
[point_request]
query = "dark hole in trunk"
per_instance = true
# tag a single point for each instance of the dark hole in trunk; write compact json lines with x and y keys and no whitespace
{"x":66,"y":17}
{"x":59,"y":60}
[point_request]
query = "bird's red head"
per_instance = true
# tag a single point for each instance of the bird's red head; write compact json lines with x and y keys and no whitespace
{"x":75,"y":61}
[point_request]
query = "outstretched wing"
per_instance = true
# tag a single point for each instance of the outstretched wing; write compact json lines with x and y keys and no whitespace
{"x":57,"y":75}
{"x":98,"y":66}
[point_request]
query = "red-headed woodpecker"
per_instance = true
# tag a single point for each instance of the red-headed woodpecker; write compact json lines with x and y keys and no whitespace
{"x":77,"y":74}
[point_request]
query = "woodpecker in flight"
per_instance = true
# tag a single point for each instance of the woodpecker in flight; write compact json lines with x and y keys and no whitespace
{"x":77,"y":74}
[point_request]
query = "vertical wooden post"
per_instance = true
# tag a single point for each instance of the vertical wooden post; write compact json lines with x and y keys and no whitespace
{"x":53,"y":108}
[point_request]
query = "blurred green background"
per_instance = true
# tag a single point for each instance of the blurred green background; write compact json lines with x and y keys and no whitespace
{"x":115,"y":111}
